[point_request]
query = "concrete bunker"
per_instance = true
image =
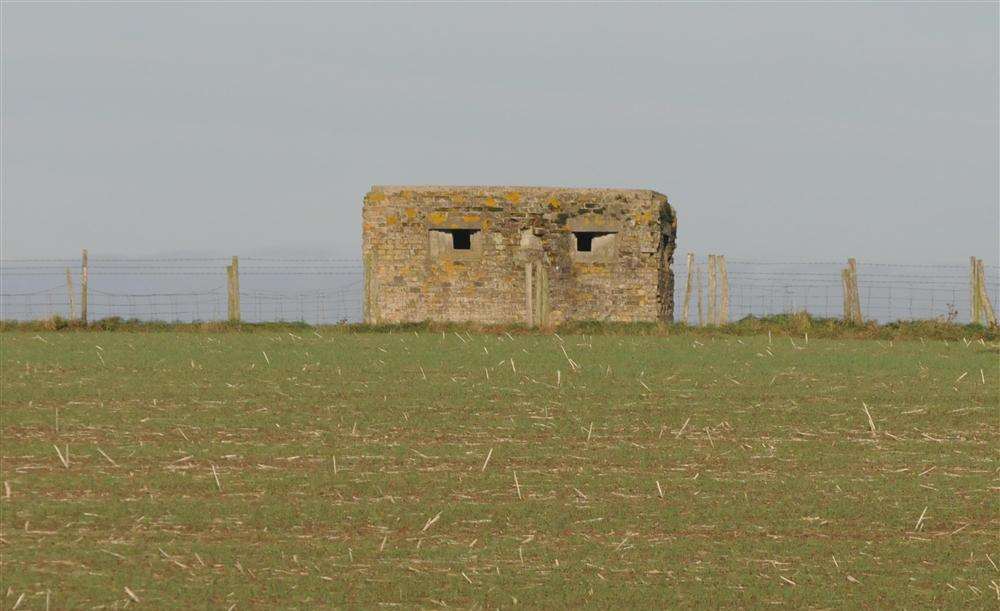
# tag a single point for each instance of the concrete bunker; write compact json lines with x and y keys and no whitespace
{"x":532,"y":255}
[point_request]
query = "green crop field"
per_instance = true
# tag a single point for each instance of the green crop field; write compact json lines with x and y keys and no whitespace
{"x":296,"y":468}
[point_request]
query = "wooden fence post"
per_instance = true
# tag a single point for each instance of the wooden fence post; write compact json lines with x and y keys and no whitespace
{"x":84,"y":277}
{"x":543,"y":295}
{"x":686,"y":309}
{"x":852,"y":296}
{"x":236,"y":282}
{"x":233,"y":273}
{"x":69,"y":294}
{"x":845,"y":280}
{"x":974,"y":316}
{"x":537,"y":272}
{"x":855,"y":293}
{"x":529,"y":305}
{"x":713,"y":311}
{"x":229,"y":293}
{"x":724,"y":282}
{"x":984,"y":296}
{"x":701,"y":312}
{"x":537,"y":293}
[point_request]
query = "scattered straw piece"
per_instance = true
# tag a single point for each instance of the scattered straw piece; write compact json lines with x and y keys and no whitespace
{"x":920,"y":520}
{"x":871,"y":422}
{"x":572,"y":364}
{"x":63,"y":459}
{"x":432,"y":520}
{"x":217,"y":482}
{"x":110,"y":460}
{"x":684,"y":426}
{"x":487,"y":461}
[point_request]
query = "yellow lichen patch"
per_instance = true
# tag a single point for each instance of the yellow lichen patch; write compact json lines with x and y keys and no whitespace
{"x":375,"y":197}
{"x":447,"y":267}
{"x":644,"y":217}
{"x":554,"y":203}
{"x":457,"y":199}
{"x":411,"y":213}
{"x":438,"y":217}
{"x":470,"y":218}
{"x":513,"y":197}
{"x":392,"y":219}
{"x":486,"y":224}
{"x":589,"y":220}
{"x":590,"y":268}
{"x":490,"y":202}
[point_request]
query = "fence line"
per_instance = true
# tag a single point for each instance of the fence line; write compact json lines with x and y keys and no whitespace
{"x":329,"y":290}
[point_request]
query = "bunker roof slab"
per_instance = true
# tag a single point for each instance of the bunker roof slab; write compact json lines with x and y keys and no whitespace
{"x":524,"y":191}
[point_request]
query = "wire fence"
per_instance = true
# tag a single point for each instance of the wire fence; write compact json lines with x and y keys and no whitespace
{"x":887,"y":291}
{"x":317,"y":291}
{"x":329,"y":291}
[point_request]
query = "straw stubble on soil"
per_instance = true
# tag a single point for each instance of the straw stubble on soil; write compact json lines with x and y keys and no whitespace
{"x":181,"y":470}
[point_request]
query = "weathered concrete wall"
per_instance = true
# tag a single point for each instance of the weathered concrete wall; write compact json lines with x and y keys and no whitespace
{"x":522,"y":264}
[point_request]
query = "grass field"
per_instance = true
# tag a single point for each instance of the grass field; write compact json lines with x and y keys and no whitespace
{"x":302,"y":469}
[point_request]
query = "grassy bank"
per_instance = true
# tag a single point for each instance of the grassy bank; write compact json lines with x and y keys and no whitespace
{"x":784,"y":325}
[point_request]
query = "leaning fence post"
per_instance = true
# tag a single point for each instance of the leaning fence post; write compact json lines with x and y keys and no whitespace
{"x":233,"y":277}
{"x":685,"y":310}
{"x":84,"y":276}
{"x":69,"y":294}
{"x":724,"y":282}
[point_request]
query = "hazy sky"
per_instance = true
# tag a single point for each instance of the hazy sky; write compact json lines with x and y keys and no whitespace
{"x":802,"y":132}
